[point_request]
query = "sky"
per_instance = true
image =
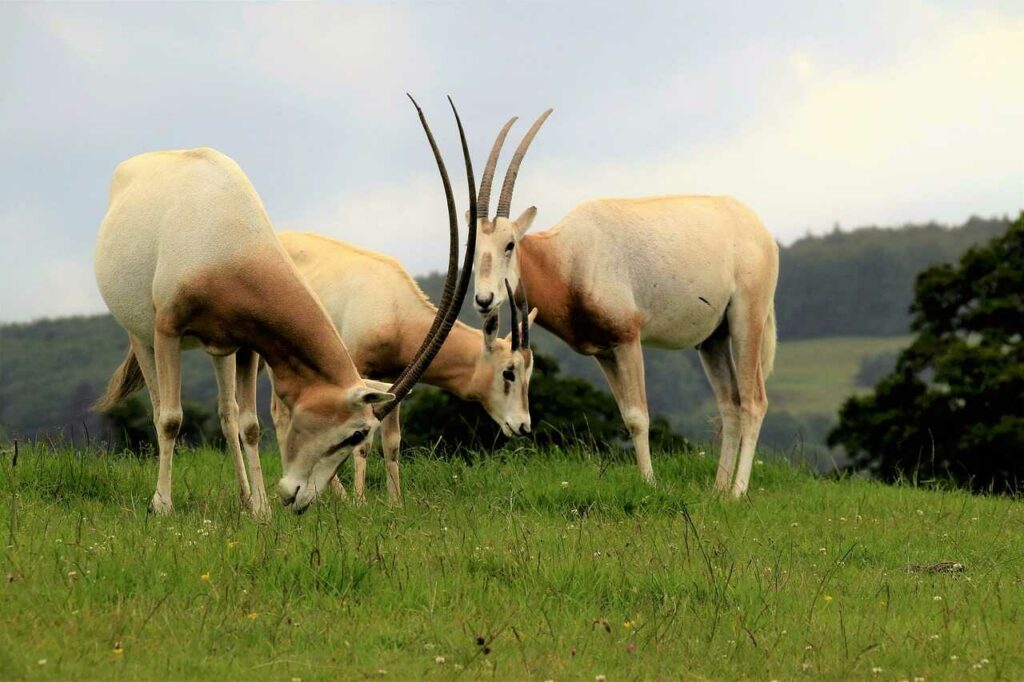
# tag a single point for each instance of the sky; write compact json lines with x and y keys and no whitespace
{"x":811,"y":113}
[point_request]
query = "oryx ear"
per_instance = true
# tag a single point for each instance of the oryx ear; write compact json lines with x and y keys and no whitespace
{"x":525,"y":221}
{"x":531,"y":317}
{"x":469,"y":217}
{"x":490,"y":332}
{"x":366,"y":395}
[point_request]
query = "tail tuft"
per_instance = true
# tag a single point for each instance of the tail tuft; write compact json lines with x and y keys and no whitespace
{"x":768,"y":343}
{"x":125,"y":380}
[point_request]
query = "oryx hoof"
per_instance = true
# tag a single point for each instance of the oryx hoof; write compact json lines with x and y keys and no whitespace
{"x":160,"y":505}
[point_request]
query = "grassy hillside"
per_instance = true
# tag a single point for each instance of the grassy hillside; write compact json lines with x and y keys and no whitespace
{"x":815,"y":376}
{"x":536,"y":565}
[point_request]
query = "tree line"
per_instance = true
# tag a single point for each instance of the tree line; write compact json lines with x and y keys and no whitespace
{"x":841,"y":283}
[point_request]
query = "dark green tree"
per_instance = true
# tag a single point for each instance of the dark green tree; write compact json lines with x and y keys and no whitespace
{"x":565,"y":411}
{"x":129,"y":425}
{"x":954,"y":406}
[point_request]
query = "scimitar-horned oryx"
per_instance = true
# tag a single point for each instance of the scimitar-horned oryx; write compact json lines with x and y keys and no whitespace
{"x":381,"y":313}
{"x":186,"y":258}
{"x":665,"y":272}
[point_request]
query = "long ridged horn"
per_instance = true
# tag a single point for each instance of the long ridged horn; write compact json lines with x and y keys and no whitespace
{"x":505,"y":199}
{"x":446,"y":315}
{"x":484,"y":202}
{"x":524,"y":310}
{"x":514,"y":312}
{"x":453,"y":252}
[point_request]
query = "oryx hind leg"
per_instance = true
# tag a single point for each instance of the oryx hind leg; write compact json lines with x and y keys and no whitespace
{"x":746,"y":330}
{"x":227,"y":410}
{"x":164,"y":361}
{"x":623,"y":367}
{"x":716,"y":356}
{"x":246,"y":377}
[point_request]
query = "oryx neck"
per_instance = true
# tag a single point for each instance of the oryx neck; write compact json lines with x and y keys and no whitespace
{"x":543,"y":271}
{"x":276,"y":314}
{"x":453,"y":367}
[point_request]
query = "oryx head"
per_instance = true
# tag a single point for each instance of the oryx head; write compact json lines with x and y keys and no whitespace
{"x":318,"y":435}
{"x":496,"y":260}
{"x":325,"y":422}
{"x":505,"y":368}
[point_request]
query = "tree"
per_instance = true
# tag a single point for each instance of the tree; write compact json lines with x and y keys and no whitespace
{"x":566,"y":410}
{"x":130,"y":425}
{"x":954,"y":406}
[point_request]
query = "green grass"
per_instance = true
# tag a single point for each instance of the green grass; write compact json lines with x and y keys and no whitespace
{"x":564,"y":563}
{"x":815,"y":376}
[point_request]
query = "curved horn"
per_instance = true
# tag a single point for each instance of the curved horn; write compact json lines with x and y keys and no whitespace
{"x":524,"y":310}
{"x":445,"y":317}
{"x":516,"y":331}
{"x":483,"y":203}
{"x":505,"y":199}
{"x":453,"y":250}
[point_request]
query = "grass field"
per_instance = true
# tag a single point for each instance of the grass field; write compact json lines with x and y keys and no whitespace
{"x":522,"y":566}
{"x":815,"y":376}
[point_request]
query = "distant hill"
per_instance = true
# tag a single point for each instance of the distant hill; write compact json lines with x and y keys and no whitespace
{"x":842,"y":284}
{"x":861,"y":283}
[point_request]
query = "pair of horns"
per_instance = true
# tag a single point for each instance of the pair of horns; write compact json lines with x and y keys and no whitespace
{"x":454,"y":293}
{"x":519,"y":306}
{"x":505,"y":198}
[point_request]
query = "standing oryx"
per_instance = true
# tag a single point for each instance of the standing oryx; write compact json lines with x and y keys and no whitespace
{"x":187,"y":257}
{"x":667,"y":272}
{"x":381,"y":314}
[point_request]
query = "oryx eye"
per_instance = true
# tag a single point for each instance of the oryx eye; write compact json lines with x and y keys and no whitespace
{"x":509,"y":247}
{"x":356,"y":438}
{"x":509,"y":374}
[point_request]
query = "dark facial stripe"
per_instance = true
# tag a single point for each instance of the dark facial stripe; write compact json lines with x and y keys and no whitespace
{"x":485,"y":265}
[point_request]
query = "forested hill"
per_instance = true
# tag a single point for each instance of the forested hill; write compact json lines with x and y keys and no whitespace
{"x":860,"y":283}
{"x":846,"y":283}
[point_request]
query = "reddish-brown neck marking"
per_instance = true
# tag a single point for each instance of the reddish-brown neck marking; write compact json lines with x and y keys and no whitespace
{"x":260,"y":303}
{"x":565,"y":307}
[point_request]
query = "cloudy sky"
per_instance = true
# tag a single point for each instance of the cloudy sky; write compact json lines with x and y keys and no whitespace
{"x":812,"y":113}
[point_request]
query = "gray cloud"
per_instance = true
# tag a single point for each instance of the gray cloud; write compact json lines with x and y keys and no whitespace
{"x":869,"y":112}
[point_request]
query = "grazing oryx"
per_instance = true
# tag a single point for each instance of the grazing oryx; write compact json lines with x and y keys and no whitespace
{"x":187,"y":257}
{"x":381,"y":314}
{"x":667,"y":272}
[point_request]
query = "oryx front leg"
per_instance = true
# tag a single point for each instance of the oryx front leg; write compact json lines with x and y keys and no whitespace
{"x":359,"y":456}
{"x":166,"y":358}
{"x":746,"y":328}
{"x":227,"y":410}
{"x":623,"y":367}
{"x":391,"y":440}
{"x":716,"y":356}
{"x":249,"y":427}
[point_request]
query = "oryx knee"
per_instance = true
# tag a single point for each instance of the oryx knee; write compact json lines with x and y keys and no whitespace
{"x":637,"y":422}
{"x":169,"y":423}
{"x":250,"y":431}
{"x":391,"y":442}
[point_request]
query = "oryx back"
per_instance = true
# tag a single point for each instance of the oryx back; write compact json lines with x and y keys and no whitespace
{"x":171,"y":216}
{"x":673,"y":263}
